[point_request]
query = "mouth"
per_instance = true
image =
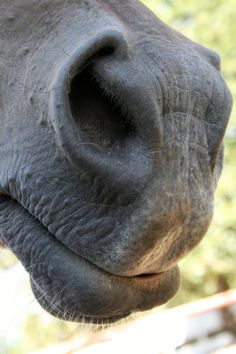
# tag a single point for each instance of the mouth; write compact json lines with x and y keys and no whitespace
{"x":107,"y":298}
{"x":144,"y":283}
{"x":70,"y":287}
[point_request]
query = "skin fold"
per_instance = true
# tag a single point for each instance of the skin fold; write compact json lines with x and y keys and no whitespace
{"x":110,"y":152}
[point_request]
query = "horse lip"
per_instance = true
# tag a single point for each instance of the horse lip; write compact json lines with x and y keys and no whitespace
{"x":81,"y":278}
{"x":144,"y":283}
{"x":144,"y":279}
{"x":139,"y":279}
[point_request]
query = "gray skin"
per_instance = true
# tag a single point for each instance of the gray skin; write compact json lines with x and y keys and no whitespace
{"x":110,"y":152}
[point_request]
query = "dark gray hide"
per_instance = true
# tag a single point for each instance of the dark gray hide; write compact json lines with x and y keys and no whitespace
{"x":110,"y":151}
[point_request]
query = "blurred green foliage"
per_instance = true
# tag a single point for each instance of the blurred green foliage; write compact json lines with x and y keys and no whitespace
{"x":211,"y":266}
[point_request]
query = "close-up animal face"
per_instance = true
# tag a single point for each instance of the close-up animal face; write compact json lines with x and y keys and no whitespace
{"x":110,"y":152}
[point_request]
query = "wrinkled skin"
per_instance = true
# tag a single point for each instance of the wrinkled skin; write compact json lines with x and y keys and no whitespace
{"x":110,"y":152}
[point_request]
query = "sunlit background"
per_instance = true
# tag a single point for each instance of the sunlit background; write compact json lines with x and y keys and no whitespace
{"x":211,"y":267}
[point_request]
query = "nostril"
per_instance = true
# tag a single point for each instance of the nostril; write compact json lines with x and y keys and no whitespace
{"x":85,"y":117}
{"x":212,"y":56}
{"x":99,"y":117}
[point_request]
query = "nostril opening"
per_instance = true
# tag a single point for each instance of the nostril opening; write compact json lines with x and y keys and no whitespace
{"x":96,"y":117}
{"x":99,"y":116}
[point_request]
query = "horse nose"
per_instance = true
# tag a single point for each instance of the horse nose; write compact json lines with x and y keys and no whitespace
{"x":94,"y":125}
